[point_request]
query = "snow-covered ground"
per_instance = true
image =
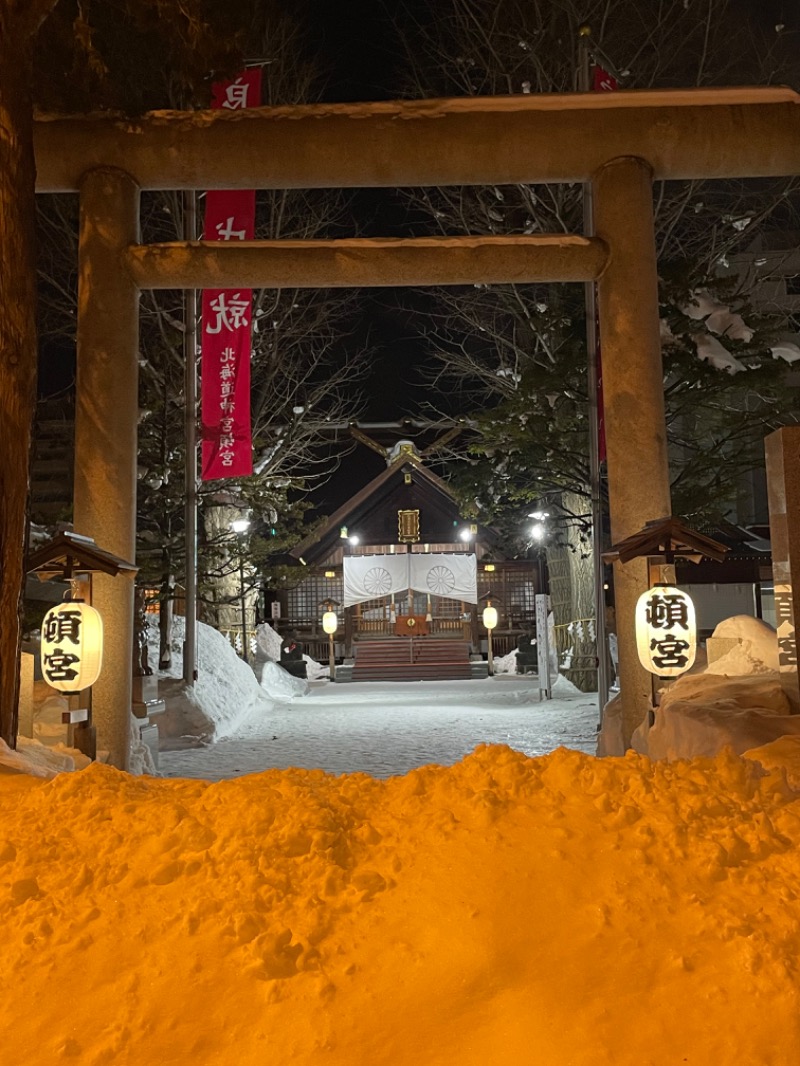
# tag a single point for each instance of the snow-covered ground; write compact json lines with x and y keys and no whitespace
{"x":384,"y":729}
{"x":488,"y":911}
{"x":236,"y":721}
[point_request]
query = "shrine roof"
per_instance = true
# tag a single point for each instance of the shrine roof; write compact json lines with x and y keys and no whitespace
{"x":379,"y":488}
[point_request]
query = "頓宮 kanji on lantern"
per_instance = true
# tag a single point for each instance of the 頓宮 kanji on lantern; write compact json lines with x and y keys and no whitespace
{"x":666,"y":631}
{"x":72,"y":646}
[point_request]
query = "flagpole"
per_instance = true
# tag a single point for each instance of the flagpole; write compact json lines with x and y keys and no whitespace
{"x":190,"y":460}
{"x":584,"y":85}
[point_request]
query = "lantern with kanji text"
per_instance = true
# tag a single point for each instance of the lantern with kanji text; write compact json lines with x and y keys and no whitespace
{"x":666,"y":631}
{"x":72,"y":646}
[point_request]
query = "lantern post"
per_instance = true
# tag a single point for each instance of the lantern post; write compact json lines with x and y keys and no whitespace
{"x":330,"y":623}
{"x":72,"y":631}
{"x":72,"y":657}
{"x":665,"y":625}
{"x":490,"y":623}
{"x":240,"y":527}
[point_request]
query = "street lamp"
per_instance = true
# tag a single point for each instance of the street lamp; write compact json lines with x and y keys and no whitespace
{"x":490,"y":621}
{"x":240,"y":527}
{"x":538,"y":534}
{"x":330,"y":623}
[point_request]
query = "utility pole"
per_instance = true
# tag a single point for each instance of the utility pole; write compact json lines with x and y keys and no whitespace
{"x":190,"y":461}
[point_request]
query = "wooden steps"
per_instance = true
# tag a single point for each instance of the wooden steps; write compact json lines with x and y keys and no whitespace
{"x":409,"y":659}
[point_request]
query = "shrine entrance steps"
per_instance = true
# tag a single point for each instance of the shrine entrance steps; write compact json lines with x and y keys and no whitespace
{"x":409,"y":659}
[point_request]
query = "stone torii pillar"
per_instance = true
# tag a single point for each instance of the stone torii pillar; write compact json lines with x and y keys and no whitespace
{"x":633,"y":394}
{"x":106,"y":417}
{"x":783,"y":487}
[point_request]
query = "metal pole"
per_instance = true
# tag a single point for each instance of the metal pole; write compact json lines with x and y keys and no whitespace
{"x":332,"y":658}
{"x":190,"y":462}
{"x":594,"y":427}
{"x":245,"y":656}
{"x":490,"y":656}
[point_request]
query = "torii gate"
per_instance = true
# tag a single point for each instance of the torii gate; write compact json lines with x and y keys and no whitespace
{"x":620,"y":142}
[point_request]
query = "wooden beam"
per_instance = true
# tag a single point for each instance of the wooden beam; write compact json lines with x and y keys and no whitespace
{"x":372,"y":262}
{"x":683,"y":133}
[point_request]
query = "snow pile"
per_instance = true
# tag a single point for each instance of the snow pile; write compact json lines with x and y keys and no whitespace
{"x":280,"y":685}
{"x":224,"y":696}
{"x":268,"y":642}
{"x":316,"y":671}
{"x":756,"y":652}
{"x":737,"y":701}
{"x":782,"y":754}
{"x":505,"y":664}
{"x":140,"y":758}
{"x":269,"y":645}
{"x":505,"y":910}
{"x":40,"y":760}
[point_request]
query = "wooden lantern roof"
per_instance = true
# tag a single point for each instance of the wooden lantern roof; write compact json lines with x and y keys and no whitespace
{"x":70,"y":553}
{"x":668,"y":538}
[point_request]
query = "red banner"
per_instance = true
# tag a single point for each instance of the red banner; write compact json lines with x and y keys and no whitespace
{"x":602,"y":82}
{"x":227,"y":318}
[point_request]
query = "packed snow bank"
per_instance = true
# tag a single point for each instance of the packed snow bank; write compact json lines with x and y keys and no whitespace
{"x":280,"y":684}
{"x":781,"y":754}
{"x":502,"y":911}
{"x":40,"y":760}
{"x":269,"y":645}
{"x":224,"y":696}
{"x":756,"y":651}
{"x":737,"y":701}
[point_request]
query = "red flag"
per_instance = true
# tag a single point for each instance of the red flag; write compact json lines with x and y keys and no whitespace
{"x":602,"y":82}
{"x":227,"y":318}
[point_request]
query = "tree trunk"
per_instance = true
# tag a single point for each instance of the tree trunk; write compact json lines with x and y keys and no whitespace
{"x":18,"y":349}
{"x":569,"y":565}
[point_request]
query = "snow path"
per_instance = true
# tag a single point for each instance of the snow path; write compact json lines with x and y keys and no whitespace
{"x":385,"y":728}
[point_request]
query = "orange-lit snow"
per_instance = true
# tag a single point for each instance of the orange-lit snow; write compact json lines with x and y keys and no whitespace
{"x":560,"y":911}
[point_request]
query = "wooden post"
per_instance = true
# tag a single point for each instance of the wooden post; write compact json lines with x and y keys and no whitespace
{"x":106,"y":417}
{"x":633,"y":388}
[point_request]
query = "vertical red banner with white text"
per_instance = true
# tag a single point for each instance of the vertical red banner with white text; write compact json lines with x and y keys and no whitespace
{"x":227,"y":317}
{"x":602,"y":82}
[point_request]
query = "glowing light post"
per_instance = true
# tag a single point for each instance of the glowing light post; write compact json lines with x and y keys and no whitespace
{"x":490,"y":622}
{"x":538,"y":535}
{"x":665,"y":624}
{"x":330,"y":623}
{"x":72,"y":656}
{"x":72,"y":636}
{"x":240,"y":527}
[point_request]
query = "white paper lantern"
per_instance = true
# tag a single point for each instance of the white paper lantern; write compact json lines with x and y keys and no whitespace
{"x":490,"y":617}
{"x":72,"y":646}
{"x":666,"y":631}
{"x":330,"y":622}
